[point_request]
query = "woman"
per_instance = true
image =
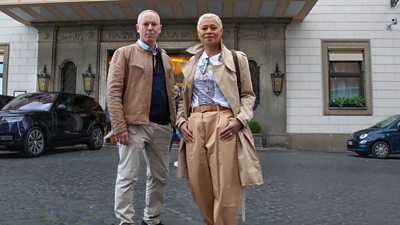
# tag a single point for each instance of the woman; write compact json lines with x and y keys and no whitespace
{"x":217,"y":156}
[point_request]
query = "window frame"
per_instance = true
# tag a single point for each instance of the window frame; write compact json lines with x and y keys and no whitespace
{"x":362,"y":46}
{"x":5,"y":48}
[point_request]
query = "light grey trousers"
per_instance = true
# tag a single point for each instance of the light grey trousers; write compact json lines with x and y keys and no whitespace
{"x":152,"y":140}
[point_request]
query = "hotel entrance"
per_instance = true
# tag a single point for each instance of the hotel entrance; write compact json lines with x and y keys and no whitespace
{"x":177,"y":57}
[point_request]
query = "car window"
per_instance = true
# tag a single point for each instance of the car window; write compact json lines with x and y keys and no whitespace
{"x":32,"y":101}
{"x":384,"y":123}
{"x":79,"y":103}
{"x":64,"y":99}
{"x":4,"y":99}
{"x":91,"y":104}
{"x":396,"y":125}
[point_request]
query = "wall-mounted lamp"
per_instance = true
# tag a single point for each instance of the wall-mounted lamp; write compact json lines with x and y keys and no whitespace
{"x":389,"y":26}
{"x":88,"y":80}
{"x":277,"y":78}
{"x":43,"y":80}
{"x":393,"y":3}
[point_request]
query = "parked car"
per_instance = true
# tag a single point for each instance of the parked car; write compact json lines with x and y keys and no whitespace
{"x":380,"y":140}
{"x":34,"y":122}
{"x":4,"y":99}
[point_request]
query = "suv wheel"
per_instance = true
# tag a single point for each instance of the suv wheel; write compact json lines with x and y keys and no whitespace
{"x":35,"y":142}
{"x":96,"y":138}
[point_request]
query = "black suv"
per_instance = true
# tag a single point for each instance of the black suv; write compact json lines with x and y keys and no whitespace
{"x":34,"y":122}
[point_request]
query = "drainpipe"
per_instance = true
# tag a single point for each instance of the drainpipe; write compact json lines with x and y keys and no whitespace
{"x":97,"y":81}
{"x":54,"y":59}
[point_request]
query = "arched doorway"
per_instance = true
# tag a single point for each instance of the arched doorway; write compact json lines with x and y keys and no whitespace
{"x":68,"y":77}
{"x":255,"y":80}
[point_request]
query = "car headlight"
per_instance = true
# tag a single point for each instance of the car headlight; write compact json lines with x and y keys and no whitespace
{"x":363,"y":142}
{"x":13,"y":119}
{"x":363,"y":136}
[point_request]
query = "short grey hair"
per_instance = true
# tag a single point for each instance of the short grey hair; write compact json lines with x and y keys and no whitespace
{"x":147,"y":11}
{"x":209,"y":16}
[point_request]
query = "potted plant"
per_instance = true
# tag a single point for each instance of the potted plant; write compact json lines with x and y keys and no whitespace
{"x":355,"y":101}
{"x":256,"y":129}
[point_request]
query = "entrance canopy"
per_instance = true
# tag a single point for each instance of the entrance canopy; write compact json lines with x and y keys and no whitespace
{"x":42,"y":11}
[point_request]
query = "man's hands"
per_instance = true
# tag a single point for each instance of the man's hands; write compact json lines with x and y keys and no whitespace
{"x":122,"y":138}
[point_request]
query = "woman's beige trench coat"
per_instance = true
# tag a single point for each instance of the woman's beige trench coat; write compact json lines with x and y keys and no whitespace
{"x":225,"y":76}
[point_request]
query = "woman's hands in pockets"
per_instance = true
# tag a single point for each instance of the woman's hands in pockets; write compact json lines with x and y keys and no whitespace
{"x":230,"y":131}
{"x":186,"y":132}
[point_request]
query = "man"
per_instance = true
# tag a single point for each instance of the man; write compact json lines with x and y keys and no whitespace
{"x":217,"y":156}
{"x":142,"y":110}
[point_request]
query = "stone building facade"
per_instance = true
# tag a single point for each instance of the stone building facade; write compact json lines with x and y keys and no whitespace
{"x":79,"y":46}
{"x":304,"y":45}
{"x":360,"y":27}
{"x":18,"y":56}
{"x":75,"y":35}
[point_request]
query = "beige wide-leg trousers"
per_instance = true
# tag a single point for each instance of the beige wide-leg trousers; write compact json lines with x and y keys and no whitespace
{"x":152,"y":140}
{"x":213,"y":173}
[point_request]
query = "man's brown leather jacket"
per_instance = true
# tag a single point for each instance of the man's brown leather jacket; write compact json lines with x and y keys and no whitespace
{"x":129,"y":87}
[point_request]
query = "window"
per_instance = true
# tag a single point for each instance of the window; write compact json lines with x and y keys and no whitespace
{"x":32,"y":101}
{"x":3,"y":68}
{"x":79,"y":103}
{"x":346,"y":77}
{"x":177,"y":57}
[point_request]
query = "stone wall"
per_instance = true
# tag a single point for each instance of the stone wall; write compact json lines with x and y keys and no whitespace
{"x":340,"y":20}
{"x":22,"y":60}
{"x":262,"y":43}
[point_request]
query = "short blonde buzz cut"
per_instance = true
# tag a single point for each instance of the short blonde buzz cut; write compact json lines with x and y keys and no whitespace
{"x":209,"y":16}
{"x":147,"y":11}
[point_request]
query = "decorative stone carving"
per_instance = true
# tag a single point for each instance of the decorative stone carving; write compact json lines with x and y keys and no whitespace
{"x":276,"y":34}
{"x":119,"y":35}
{"x":45,"y":35}
{"x":65,"y":35}
{"x":178,"y":34}
{"x":253,"y":34}
{"x":90,"y":35}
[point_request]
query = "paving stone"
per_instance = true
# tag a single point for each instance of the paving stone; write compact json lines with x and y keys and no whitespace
{"x":75,"y":186}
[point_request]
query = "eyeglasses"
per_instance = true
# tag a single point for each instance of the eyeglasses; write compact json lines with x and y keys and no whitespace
{"x":203,"y":67}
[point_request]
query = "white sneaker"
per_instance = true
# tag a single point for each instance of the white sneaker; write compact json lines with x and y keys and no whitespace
{"x":176,"y":164}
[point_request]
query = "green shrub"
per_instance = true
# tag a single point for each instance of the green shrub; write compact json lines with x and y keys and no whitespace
{"x":255,"y":126}
{"x":356,"y":101}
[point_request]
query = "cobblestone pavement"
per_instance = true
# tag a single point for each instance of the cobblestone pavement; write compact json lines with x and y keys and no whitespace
{"x":75,"y":186}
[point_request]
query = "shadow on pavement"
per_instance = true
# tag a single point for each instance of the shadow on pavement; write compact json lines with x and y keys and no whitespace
{"x":48,"y":152}
{"x":391,"y":157}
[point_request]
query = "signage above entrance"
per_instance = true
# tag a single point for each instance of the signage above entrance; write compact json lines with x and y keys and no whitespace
{"x":42,"y":11}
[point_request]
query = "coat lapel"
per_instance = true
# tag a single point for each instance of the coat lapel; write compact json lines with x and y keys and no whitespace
{"x":188,"y":74}
{"x":188,"y":71}
{"x":225,"y":77}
